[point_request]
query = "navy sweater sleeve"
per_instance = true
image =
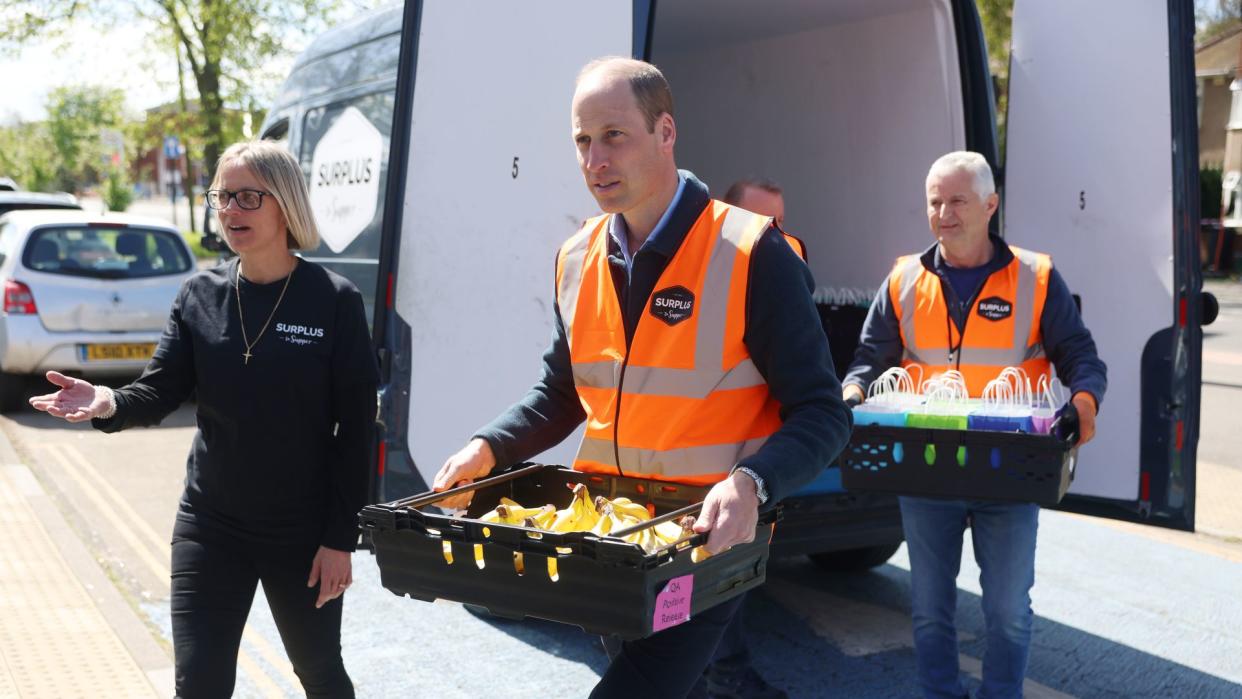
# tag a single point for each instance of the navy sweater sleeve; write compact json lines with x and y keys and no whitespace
{"x":1068,"y":342}
{"x":879,"y":345}
{"x":786,"y":342}
{"x":166,"y":382}
{"x":546,"y":415}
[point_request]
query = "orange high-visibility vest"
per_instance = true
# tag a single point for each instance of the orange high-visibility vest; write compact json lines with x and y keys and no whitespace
{"x":684,"y":402}
{"x":1002,"y":328}
{"x":796,"y":243}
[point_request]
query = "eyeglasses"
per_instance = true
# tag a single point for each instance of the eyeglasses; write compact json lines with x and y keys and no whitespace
{"x":248,"y":199}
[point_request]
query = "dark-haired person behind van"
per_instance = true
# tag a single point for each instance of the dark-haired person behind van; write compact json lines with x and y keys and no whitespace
{"x":278,"y":351}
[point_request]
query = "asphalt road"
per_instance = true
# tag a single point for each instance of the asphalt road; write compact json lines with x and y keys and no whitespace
{"x":1122,"y":610}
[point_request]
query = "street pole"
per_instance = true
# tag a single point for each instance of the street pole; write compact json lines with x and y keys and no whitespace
{"x":189,"y":190}
{"x":174,"y":172}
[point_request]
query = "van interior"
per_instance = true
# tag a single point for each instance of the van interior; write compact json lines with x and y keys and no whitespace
{"x":844,"y":104}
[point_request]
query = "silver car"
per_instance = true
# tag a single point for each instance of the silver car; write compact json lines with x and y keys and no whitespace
{"x":84,"y":294}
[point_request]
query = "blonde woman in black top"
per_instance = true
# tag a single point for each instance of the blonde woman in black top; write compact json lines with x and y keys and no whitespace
{"x":278,"y":353}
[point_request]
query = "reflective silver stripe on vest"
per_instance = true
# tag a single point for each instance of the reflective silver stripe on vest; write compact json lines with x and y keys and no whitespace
{"x":1024,"y":306}
{"x":661,"y":381}
{"x":905,"y":294}
{"x":571,"y":277}
{"x":688,"y":461}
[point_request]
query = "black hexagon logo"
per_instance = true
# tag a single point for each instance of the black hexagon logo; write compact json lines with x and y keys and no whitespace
{"x":672,"y":305}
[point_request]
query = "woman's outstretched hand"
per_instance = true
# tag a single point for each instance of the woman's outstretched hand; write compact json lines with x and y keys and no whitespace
{"x":76,"y":401}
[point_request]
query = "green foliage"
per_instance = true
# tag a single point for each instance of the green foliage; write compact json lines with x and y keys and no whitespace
{"x":997,"y":18}
{"x":28,"y":155}
{"x":221,"y":45}
{"x":77,"y":116}
{"x":1210,"y":192}
{"x":1215,"y":17}
{"x":196,"y":245}
{"x":117,"y":192}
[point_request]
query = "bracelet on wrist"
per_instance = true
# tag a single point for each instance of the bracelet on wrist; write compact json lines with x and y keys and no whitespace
{"x":111,"y":398}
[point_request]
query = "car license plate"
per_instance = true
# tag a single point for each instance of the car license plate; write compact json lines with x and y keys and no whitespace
{"x":112,"y":352}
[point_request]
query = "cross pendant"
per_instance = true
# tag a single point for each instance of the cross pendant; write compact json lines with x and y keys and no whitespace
{"x":247,"y":356}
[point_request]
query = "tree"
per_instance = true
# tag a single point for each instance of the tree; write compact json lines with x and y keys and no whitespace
{"x":1212,"y":17}
{"x":222,"y":43}
{"x":76,"y":116}
{"x":997,"y":18}
{"x":28,"y":155}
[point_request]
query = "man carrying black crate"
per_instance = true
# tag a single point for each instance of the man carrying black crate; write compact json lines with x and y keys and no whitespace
{"x":686,"y":338}
{"x":974,"y":304}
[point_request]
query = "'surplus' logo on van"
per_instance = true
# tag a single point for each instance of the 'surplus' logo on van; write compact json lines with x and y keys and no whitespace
{"x":994,"y":308}
{"x":672,"y":305}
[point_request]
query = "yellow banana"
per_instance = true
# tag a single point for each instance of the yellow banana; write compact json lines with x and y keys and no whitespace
{"x":542,"y":519}
{"x":518,"y":513}
{"x":631,"y":509}
{"x":669,"y":532}
{"x":605,"y":524}
{"x":579,"y":515}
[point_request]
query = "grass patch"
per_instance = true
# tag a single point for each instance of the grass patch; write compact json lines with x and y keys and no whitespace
{"x":196,"y":245}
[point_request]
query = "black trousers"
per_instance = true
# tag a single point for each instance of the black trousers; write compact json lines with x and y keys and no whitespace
{"x":732,"y":648}
{"x":666,"y":664}
{"x":214,"y":576}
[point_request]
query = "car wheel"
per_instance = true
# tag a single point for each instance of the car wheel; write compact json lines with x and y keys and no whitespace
{"x":853,"y":560}
{"x":12,"y":392}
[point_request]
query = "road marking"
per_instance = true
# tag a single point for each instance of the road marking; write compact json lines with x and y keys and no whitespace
{"x":860,"y":628}
{"x":855,"y":628}
{"x":117,"y":510}
{"x":1030,"y":688}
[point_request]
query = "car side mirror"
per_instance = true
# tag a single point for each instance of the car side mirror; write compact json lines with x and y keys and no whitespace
{"x":211,"y":241}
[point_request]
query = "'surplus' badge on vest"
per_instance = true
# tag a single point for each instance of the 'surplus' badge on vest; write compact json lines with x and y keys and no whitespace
{"x":672,"y":305}
{"x":994,"y":308}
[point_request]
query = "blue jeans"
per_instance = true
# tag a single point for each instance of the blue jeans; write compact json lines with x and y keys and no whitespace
{"x":1004,"y":541}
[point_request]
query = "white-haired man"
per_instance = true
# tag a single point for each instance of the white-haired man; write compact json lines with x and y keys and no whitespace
{"x":973,"y":303}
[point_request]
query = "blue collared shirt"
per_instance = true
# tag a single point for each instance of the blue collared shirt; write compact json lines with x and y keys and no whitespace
{"x":620,"y":232}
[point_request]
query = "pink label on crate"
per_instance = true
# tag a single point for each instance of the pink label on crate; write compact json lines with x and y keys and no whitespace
{"x":672,"y":605}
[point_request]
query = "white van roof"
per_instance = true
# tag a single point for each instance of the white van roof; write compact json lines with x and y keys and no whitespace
{"x":365,"y":26}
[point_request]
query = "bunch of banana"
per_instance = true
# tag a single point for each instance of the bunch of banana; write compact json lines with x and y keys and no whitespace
{"x":579,"y":516}
{"x":508,"y":512}
{"x":623,"y":513}
{"x":600,"y":516}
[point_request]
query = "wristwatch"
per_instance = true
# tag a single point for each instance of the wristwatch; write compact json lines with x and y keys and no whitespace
{"x":761,"y":490}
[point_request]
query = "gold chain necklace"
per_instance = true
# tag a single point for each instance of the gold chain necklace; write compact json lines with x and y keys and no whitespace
{"x":242,"y":320}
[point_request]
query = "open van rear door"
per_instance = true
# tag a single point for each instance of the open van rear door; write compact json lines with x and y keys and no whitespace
{"x":1102,"y":173}
{"x":484,"y":192}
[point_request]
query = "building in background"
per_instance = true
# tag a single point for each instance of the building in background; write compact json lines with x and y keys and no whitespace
{"x":1219,"y":90}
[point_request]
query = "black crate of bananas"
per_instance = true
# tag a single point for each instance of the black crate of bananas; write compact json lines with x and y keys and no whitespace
{"x":610,"y":554}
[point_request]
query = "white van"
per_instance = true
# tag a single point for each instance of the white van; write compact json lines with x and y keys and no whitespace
{"x":846,"y":103}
